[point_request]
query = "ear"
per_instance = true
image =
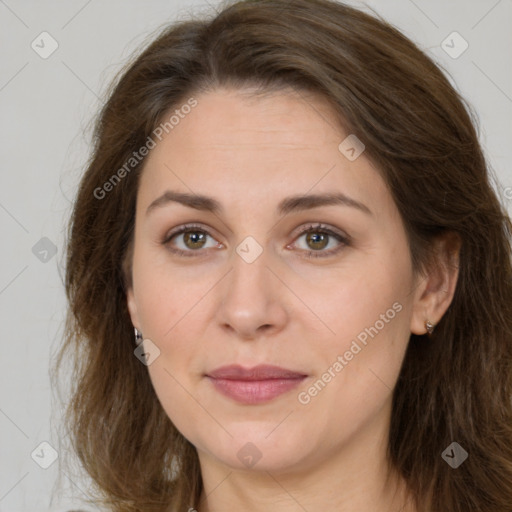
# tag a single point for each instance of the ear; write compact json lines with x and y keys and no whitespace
{"x":434,"y":292}
{"x":132,"y":308}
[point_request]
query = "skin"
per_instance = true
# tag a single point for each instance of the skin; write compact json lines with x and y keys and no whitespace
{"x":286,"y":309}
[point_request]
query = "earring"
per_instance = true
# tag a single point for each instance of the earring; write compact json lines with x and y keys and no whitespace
{"x":138,"y":336}
{"x":430,"y":327}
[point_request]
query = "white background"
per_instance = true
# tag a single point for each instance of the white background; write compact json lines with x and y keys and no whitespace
{"x":46,"y":109}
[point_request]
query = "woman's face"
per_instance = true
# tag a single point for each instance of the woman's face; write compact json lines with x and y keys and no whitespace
{"x":277,"y":274}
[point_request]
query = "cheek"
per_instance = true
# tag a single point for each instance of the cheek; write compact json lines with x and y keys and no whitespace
{"x":368,"y":314}
{"x":177,"y":397}
{"x":346,"y":300}
{"x":171,"y":303}
{"x":167,"y":295}
{"x":359,"y":365}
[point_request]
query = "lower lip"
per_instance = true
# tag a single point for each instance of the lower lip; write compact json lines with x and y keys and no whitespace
{"x":255,"y":391}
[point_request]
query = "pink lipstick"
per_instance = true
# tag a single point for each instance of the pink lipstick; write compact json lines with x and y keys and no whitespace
{"x":255,"y":385}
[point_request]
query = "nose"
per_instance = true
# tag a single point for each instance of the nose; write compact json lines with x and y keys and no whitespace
{"x":253,"y":299}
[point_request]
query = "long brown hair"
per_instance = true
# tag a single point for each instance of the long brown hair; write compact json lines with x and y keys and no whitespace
{"x":420,"y":135}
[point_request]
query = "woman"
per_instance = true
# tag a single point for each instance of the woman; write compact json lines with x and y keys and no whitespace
{"x":290,"y":206}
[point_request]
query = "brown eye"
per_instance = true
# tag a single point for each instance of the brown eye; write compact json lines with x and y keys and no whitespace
{"x":317,"y":240}
{"x":194,"y":239}
{"x":189,"y":240}
{"x":320,"y":241}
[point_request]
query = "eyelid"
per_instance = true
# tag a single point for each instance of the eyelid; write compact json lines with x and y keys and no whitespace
{"x":184,"y":228}
{"x":321,"y":227}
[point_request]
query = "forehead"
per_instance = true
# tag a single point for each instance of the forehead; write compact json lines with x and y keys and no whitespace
{"x":233,"y":143}
{"x":228,"y":117}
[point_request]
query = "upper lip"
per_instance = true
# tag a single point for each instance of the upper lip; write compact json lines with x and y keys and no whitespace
{"x":260,"y":372}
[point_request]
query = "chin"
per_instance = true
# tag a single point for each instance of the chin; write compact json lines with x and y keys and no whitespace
{"x":260,"y":448}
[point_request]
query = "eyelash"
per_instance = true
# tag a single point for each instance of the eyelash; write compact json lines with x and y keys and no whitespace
{"x":314,"y":228}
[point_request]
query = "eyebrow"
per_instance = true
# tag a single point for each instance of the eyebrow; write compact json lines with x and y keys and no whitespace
{"x":287,"y":205}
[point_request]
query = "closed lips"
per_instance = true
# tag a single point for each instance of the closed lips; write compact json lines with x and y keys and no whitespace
{"x":257,"y":373}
